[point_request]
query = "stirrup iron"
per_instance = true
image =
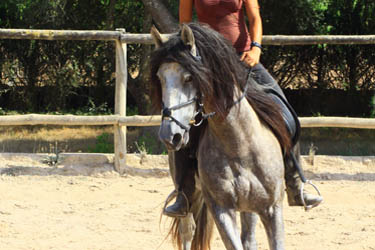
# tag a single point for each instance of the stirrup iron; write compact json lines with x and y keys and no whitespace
{"x":307,"y":208}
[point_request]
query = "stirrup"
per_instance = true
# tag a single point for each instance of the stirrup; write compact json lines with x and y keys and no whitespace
{"x":307,"y":208}
{"x":173,"y":195}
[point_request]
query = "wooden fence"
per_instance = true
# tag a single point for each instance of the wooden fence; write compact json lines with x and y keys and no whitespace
{"x":119,"y":120}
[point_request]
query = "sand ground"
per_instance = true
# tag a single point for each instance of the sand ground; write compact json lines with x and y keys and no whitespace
{"x":77,"y":206}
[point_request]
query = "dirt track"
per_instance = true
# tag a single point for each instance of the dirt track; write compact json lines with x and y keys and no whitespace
{"x":92,"y":207}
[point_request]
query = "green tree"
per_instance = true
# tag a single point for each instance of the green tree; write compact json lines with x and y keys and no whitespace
{"x":60,"y":67}
{"x":354,"y":64}
{"x":42,"y":76}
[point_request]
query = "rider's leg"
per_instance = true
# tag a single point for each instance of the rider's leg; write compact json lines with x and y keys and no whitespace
{"x":292,"y":178}
{"x":182,"y":168}
{"x":265,"y":79}
{"x":294,"y":184}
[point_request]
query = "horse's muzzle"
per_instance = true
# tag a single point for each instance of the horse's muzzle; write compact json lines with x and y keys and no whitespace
{"x":172,"y":136}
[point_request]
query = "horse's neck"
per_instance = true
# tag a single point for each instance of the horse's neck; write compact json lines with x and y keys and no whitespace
{"x":239,"y":130}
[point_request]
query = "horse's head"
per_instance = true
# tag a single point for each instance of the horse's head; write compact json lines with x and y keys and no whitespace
{"x":178,"y":94}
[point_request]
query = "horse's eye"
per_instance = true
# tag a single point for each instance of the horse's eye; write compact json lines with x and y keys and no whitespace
{"x":188,"y":78}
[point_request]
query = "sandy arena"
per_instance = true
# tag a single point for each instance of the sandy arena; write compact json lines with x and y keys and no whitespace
{"x":83,"y":204}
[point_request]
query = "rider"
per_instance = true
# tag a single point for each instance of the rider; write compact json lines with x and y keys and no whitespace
{"x":227,"y":17}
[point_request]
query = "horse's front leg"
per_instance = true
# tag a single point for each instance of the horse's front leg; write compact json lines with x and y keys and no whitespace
{"x":248,"y":223}
{"x":187,"y":230}
{"x":272,"y":220}
{"x":225,"y":220}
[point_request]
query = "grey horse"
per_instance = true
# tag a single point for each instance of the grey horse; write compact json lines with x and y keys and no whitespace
{"x":198,"y":80}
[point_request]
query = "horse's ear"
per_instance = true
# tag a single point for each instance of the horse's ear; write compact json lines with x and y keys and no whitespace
{"x":156,"y":37}
{"x":188,"y":39}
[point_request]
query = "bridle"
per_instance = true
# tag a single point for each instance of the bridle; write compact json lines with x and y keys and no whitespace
{"x":166,"y":112}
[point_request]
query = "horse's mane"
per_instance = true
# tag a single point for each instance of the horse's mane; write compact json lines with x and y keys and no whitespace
{"x":216,"y":76}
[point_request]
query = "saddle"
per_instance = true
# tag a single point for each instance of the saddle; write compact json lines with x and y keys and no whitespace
{"x":289,"y":115}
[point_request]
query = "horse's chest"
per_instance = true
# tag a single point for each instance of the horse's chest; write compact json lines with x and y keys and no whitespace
{"x":233,"y":183}
{"x":238,"y":179}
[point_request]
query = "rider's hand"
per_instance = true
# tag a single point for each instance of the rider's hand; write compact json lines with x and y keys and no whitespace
{"x":252,"y":56}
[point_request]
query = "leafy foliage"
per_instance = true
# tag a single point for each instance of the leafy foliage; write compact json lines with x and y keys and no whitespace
{"x":104,"y":144}
{"x":148,"y":143}
{"x":349,"y":67}
{"x":52,"y":76}
{"x":28,"y":66}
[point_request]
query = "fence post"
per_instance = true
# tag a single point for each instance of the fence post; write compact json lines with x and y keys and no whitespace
{"x":120,"y":104}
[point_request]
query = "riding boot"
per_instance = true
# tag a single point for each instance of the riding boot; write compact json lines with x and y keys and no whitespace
{"x":180,"y":208}
{"x":294,"y":185}
{"x":183,"y":170}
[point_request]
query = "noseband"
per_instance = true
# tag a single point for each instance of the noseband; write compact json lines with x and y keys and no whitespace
{"x":167,"y":113}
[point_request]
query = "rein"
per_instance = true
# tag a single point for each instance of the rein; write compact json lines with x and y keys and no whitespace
{"x":245,"y":89}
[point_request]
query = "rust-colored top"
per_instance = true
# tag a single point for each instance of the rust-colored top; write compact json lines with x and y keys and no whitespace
{"x":226,"y":17}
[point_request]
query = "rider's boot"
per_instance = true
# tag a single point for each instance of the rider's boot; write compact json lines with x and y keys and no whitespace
{"x":180,"y":208}
{"x":184,"y":174}
{"x":294,"y":185}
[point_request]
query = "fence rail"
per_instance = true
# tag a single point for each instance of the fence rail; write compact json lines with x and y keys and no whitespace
{"x":129,"y":38}
{"x":60,"y":34}
{"x":119,"y":120}
{"x":71,"y":120}
{"x":338,"y":122}
{"x":155,"y":120}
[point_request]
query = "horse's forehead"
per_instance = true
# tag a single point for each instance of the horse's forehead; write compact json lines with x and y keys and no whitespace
{"x":170,"y":68}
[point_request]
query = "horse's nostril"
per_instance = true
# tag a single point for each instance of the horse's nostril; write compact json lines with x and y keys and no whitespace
{"x":176,"y":139}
